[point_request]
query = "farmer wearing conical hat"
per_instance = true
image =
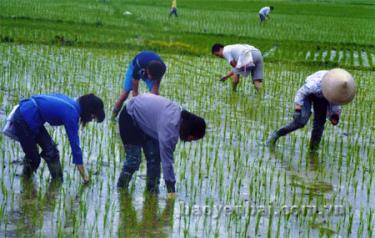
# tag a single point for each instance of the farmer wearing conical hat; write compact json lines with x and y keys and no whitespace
{"x":244,"y":59}
{"x":325,"y":91}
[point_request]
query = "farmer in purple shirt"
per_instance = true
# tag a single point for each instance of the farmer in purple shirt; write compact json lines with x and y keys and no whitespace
{"x":155,"y":123}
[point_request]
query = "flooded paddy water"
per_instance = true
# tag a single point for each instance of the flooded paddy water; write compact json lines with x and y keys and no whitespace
{"x":228,"y":185}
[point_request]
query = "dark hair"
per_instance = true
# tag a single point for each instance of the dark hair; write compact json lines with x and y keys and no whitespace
{"x":271,"y":7}
{"x":91,"y":105}
{"x":216,"y":47}
{"x":156,"y":69}
{"x":192,"y":125}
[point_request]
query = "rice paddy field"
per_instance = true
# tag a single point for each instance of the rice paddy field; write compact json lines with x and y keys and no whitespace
{"x":229,"y":184}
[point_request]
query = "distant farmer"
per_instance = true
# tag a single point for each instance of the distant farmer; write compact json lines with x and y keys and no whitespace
{"x":28,"y":121}
{"x":155,"y":123}
{"x":324,"y":91}
{"x":264,"y":13}
{"x":244,"y":59}
{"x":173,"y":8}
{"x":147,"y":66}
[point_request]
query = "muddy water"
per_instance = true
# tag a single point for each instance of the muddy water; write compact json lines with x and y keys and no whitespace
{"x":229,"y":184}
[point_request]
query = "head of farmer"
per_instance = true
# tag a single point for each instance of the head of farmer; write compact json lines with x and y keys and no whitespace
{"x":146,"y":66}
{"x":154,"y":124}
{"x":28,"y":121}
{"x":324,"y":91}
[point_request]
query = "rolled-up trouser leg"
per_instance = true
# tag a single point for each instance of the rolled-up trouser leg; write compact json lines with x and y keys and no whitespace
{"x":50,"y":153}
{"x":320,"y":114}
{"x":298,"y":122}
{"x":131,"y":164}
{"x":28,"y":143}
{"x":152,"y":154}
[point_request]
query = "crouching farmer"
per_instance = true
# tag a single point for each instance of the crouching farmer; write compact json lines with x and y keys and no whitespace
{"x":325,"y":91}
{"x":244,"y":59}
{"x":147,"y":66}
{"x":264,"y":13}
{"x":57,"y":109}
{"x":154,"y":123}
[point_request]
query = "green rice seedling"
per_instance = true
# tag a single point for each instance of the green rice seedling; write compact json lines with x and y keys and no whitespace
{"x":232,"y":156}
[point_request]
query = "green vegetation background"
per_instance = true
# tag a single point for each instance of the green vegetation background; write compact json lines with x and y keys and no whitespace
{"x":295,"y":26}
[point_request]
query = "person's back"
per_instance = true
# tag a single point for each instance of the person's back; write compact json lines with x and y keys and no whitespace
{"x":56,"y":109}
{"x":265,"y":11}
{"x":142,"y":59}
{"x":233,"y":52}
{"x":154,"y":113}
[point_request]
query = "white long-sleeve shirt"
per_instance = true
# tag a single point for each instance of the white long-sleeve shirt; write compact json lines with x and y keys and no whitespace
{"x":313,"y":86}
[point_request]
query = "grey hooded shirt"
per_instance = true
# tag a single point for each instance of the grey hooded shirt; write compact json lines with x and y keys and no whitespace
{"x":159,"y":118}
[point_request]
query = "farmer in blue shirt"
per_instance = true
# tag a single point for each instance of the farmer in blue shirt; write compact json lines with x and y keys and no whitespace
{"x":56,"y":109}
{"x":147,"y":66}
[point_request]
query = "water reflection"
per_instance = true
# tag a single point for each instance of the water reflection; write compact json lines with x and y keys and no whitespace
{"x":312,"y":179}
{"x":312,"y":157}
{"x":33,"y":208}
{"x":153,"y":222}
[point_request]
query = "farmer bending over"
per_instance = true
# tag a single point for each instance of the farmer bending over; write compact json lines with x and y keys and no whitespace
{"x":155,"y":123}
{"x":147,"y":66}
{"x":264,"y":13}
{"x":324,"y":91}
{"x":244,"y":59}
{"x":56,"y":109}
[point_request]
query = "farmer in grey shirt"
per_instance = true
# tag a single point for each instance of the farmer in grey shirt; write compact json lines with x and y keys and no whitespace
{"x":155,"y":123}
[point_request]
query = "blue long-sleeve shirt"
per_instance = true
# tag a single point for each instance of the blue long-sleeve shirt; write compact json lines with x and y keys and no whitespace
{"x":141,"y":61}
{"x":57,"y":110}
{"x":159,"y":118}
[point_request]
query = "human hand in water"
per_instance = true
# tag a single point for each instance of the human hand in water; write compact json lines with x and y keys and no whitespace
{"x":334,"y":119}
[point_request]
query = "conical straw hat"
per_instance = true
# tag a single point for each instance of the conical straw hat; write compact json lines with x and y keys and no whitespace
{"x":338,"y":86}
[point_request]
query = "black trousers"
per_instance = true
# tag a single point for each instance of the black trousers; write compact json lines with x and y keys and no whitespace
{"x":29,"y":142}
{"x":134,"y":139}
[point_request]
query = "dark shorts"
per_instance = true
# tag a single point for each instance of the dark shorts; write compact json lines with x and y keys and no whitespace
{"x":262,"y":17}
